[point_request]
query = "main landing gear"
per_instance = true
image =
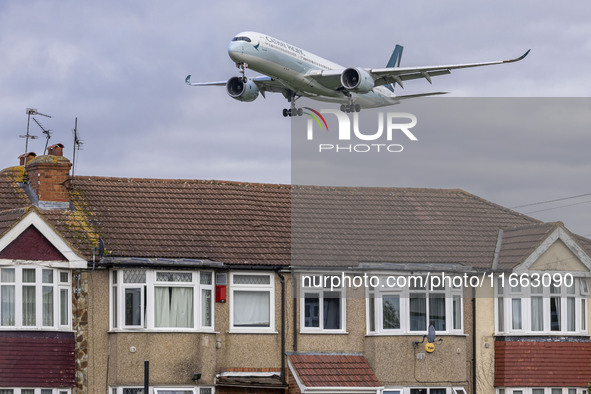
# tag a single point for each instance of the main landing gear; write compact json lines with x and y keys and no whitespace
{"x":292,"y":111}
{"x":351,"y":108}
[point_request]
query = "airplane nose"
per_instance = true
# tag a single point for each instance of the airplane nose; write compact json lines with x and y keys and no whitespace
{"x":235,"y":50}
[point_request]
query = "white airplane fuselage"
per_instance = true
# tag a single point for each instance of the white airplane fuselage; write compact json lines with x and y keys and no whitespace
{"x":293,"y":66}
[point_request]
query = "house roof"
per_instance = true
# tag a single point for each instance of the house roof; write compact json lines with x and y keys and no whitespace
{"x":518,"y":243}
{"x":328,"y":370}
{"x":272,"y":225}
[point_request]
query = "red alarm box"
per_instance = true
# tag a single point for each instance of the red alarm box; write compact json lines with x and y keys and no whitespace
{"x":220,"y":293}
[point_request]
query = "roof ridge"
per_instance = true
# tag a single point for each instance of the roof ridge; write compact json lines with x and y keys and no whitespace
{"x":501,"y":208}
{"x":176,"y":180}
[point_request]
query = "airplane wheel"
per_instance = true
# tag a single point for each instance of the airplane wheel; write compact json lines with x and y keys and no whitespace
{"x":357,"y":108}
{"x":289,"y":112}
{"x":300,"y":111}
{"x":285,"y":112}
{"x":343,"y":108}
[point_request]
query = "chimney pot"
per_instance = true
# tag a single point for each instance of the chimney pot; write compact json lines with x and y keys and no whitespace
{"x":30,"y":156}
{"x":56,"y":150}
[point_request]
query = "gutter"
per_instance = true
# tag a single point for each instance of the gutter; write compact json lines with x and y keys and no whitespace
{"x":474,"y":340}
{"x":282,"y":374}
{"x":295,"y":310}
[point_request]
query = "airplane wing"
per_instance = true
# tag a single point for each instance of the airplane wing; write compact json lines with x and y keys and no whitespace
{"x":264,"y":83}
{"x":385,"y":76}
{"x":218,"y":83}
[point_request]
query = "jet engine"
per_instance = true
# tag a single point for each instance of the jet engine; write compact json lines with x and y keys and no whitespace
{"x":357,"y":79}
{"x":240,"y":90}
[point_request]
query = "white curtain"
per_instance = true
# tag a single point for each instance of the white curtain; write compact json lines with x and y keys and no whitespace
{"x":251,"y":308}
{"x":206,"y":308}
{"x":537,"y":314}
{"x":29,"y":318}
{"x":516,"y":313}
{"x":173,"y":307}
{"x":7,"y":318}
{"x":47,"y":305}
{"x":64,"y":303}
{"x":570,"y":314}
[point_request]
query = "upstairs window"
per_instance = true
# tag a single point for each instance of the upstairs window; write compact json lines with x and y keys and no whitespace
{"x":35,"y":298}
{"x":161,"y":300}
{"x":413,"y":308}
{"x":322,"y":309}
{"x":252,"y":302}
{"x":542,"y":310}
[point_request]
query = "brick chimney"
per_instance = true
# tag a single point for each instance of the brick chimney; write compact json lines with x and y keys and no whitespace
{"x":48,"y":177}
{"x":30,"y":156}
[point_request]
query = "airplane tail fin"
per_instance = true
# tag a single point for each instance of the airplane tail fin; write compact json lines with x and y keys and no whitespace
{"x":395,"y":61}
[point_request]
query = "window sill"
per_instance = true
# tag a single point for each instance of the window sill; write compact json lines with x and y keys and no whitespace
{"x":144,"y":330}
{"x":412,"y":334}
{"x":323,"y":332}
{"x":257,"y":332}
{"x":50,"y":329}
{"x":541,"y":334}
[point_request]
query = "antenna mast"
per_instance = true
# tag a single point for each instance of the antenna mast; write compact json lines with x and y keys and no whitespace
{"x":77,"y":146}
{"x":28,"y":136}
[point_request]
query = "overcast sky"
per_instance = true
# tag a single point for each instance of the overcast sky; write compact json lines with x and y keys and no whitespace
{"x":119,"y":66}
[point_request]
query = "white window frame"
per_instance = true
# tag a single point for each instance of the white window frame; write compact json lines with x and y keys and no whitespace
{"x":525,"y":294}
{"x":147,"y":313}
{"x":258,"y":287}
{"x":404,"y":295}
{"x":407,"y":390}
{"x":18,"y":390}
{"x":547,"y":390}
{"x":320,"y":291}
{"x":157,"y":389}
{"x":56,"y":285}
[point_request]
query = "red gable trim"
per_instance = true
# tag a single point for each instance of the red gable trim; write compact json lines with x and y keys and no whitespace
{"x":333,"y":370}
{"x":542,"y":364}
{"x":31,"y":245}
{"x":37,"y":359}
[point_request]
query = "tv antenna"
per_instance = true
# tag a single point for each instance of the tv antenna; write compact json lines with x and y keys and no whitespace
{"x":47,"y":133}
{"x":77,"y":145}
{"x":28,"y":136}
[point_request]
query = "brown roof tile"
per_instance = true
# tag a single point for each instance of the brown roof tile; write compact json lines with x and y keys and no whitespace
{"x":327,"y":370}
{"x":265,"y":224}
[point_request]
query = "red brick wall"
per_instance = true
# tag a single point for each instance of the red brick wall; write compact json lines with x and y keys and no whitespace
{"x":48,"y":176}
{"x":293,"y":387}
{"x":542,"y":364}
{"x":37,"y":359}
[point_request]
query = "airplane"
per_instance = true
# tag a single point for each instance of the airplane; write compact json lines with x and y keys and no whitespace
{"x":297,"y":73}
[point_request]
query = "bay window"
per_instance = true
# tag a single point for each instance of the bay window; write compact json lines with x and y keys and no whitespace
{"x":161,"y":300}
{"x":542,"y":309}
{"x":412,"y":309}
{"x":34,"y":297}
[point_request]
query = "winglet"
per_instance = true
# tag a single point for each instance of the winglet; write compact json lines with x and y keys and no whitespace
{"x":519,"y":58}
{"x":188,"y":79}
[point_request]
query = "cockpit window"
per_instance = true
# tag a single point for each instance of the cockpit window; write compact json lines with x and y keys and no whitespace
{"x":241,"y":38}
